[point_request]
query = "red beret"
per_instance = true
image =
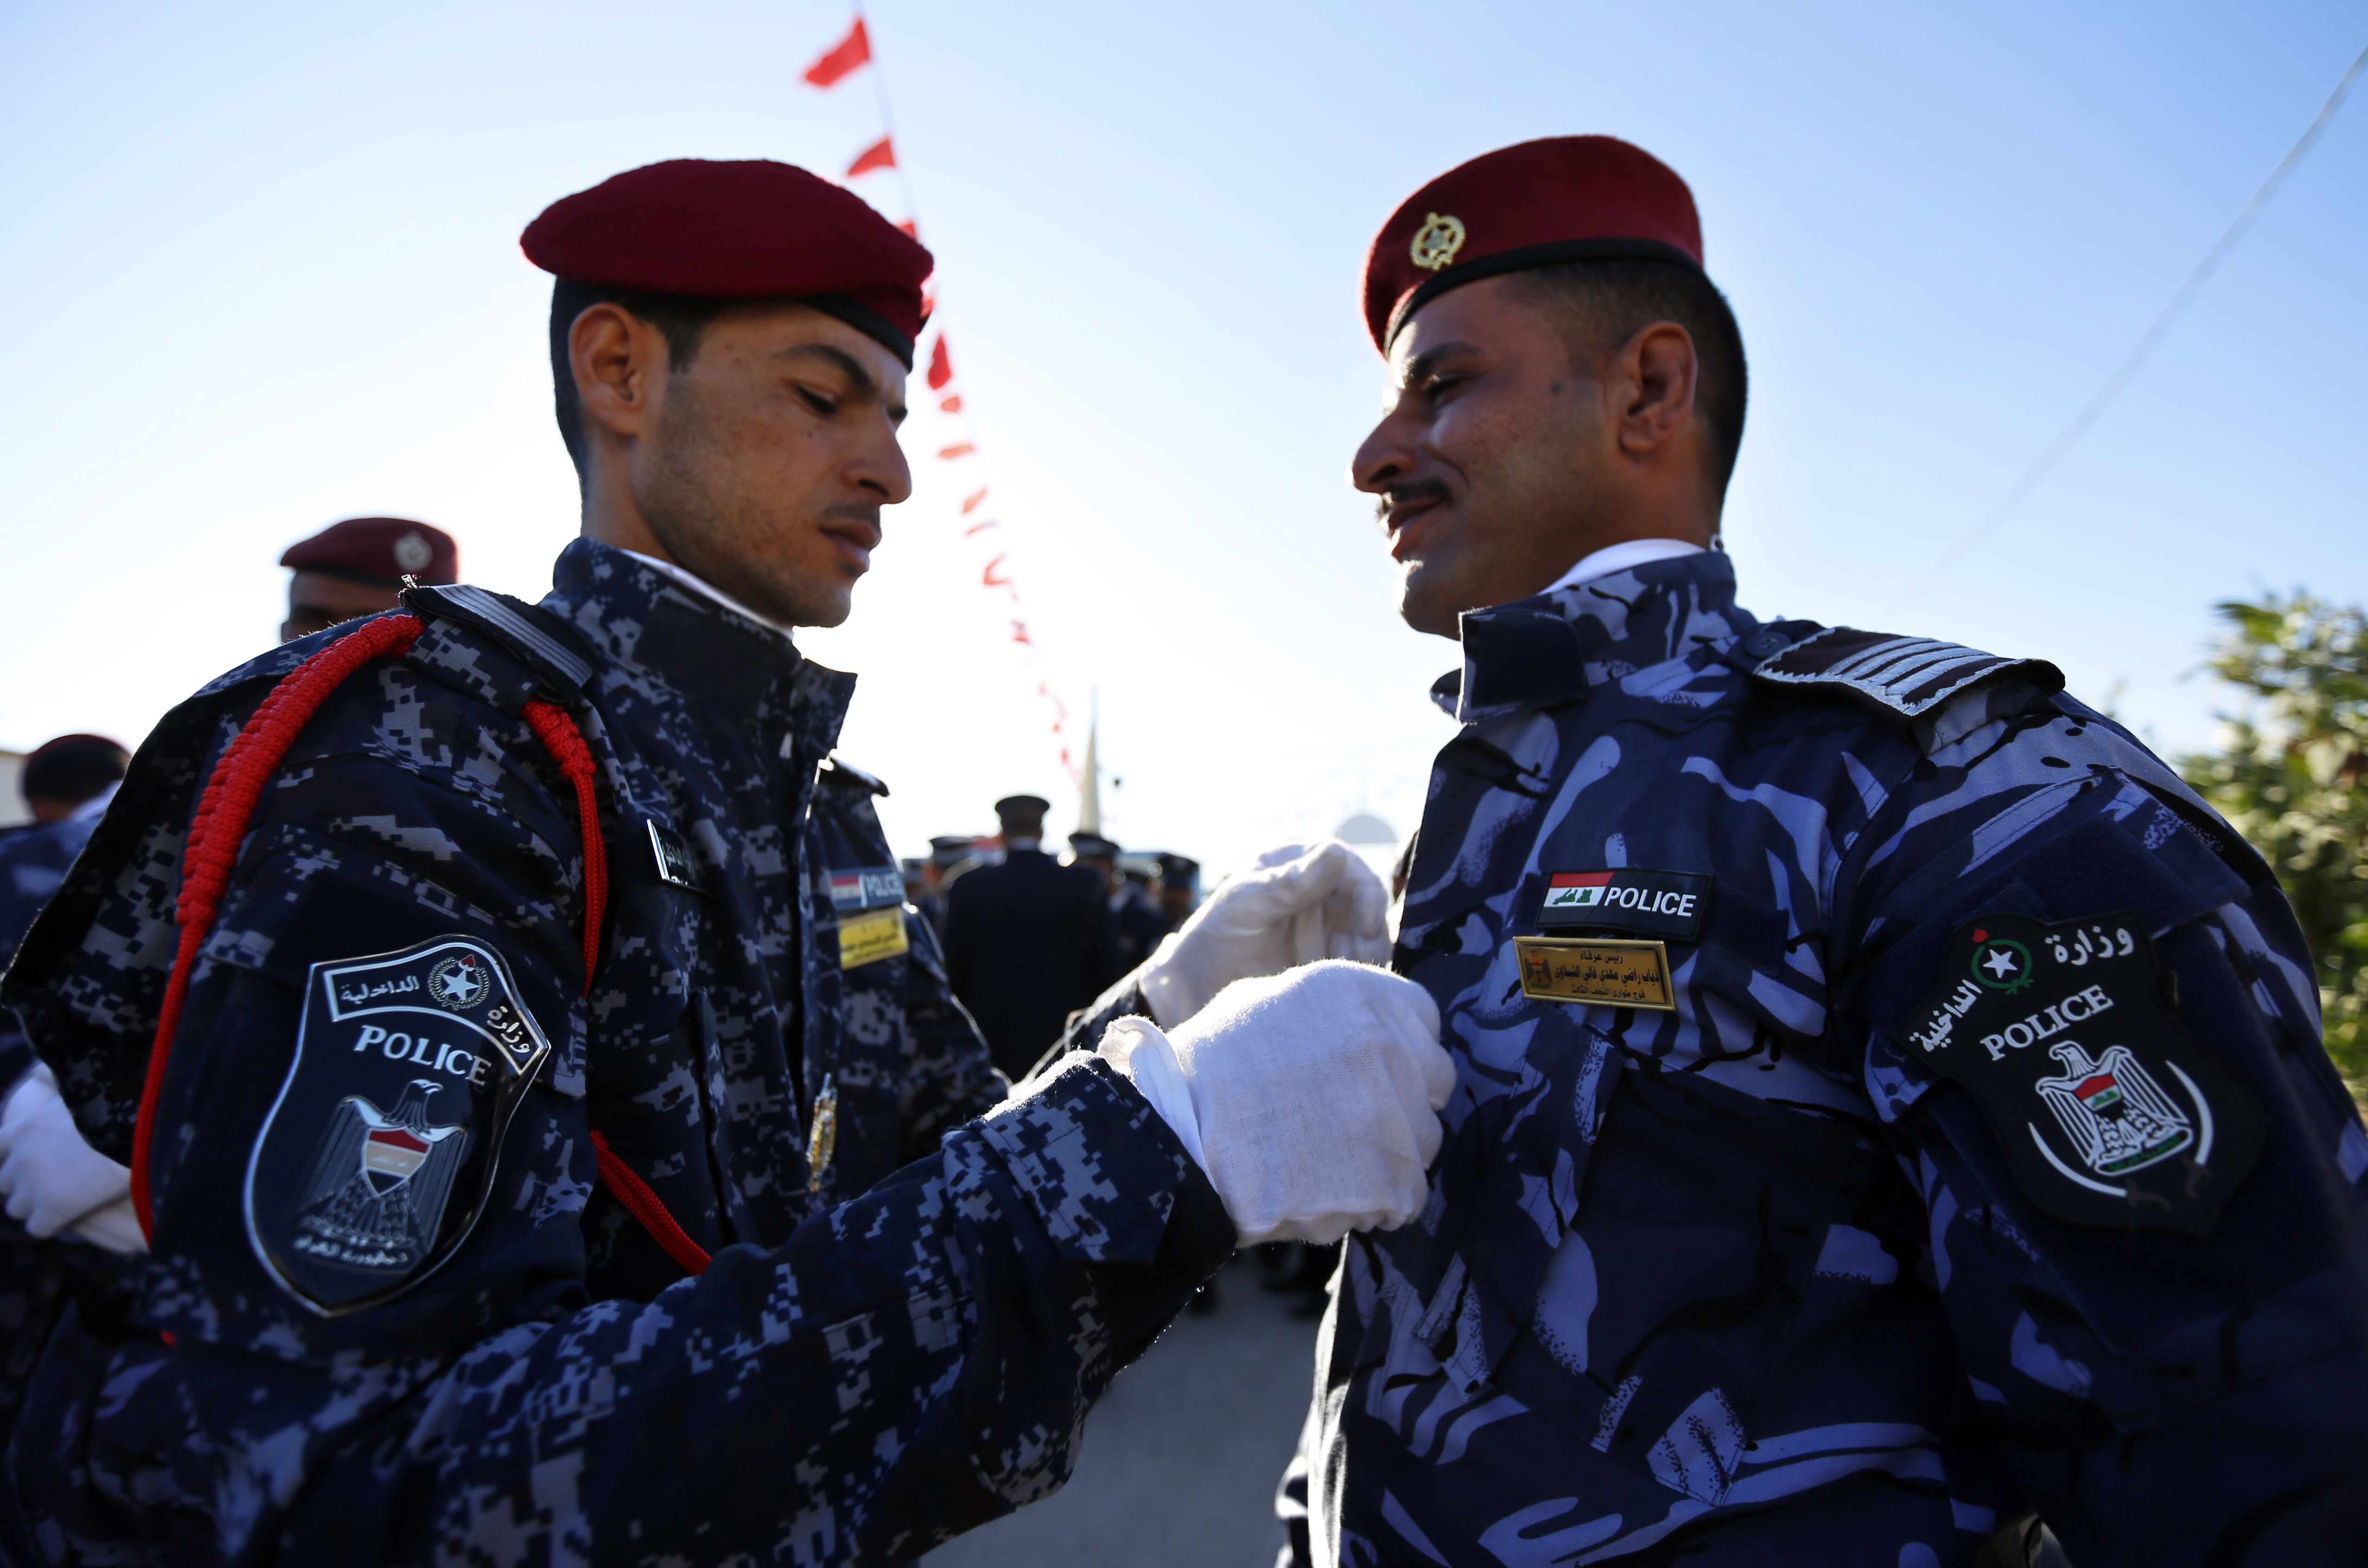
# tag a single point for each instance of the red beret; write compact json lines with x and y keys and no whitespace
{"x":379,"y":550}
{"x":1564,"y":198}
{"x":745,"y":230}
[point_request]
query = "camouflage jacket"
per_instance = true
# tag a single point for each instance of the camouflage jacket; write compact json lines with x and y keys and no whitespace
{"x":1795,"y":1205}
{"x":438,"y":1339}
{"x":34,"y":1273}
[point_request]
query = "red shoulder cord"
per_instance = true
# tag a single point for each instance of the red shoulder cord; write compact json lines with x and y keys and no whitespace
{"x":220,"y":826}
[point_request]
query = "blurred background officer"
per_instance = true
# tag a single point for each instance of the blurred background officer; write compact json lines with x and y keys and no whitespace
{"x":67,"y":783}
{"x":51,"y":1181}
{"x":1889,"y":1101}
{"x":1180,"y":888}
{"x":947,"y":851}
{"x":1028,"y":941}
{"x":70,"y":779}
{"x":1094,"y":851}
{"x":952,"y":852}
{"x":1126,"y":943}
{"x":551,"y":959}
{"x":356,"y":567}
{"x":1136,"y":923}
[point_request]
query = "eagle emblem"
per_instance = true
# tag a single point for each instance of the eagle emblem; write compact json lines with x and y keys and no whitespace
{"x":380,"y":1182}
{"x":2115,"y":1114}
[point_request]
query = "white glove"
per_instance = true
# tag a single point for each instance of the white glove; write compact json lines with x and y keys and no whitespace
{"x":51,"y":1178}
{"x":1313,"y":1098}
{"x":115,"y":1227}
{"x":1301,"y":903}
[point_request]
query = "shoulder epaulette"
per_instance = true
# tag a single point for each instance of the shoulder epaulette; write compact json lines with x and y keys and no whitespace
{"x":1909,"y":677}
{"x":507,"y":621}
{"x":838,"y":772}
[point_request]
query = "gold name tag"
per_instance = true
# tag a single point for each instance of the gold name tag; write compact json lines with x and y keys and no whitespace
{"x":875,"y":934}
{"x":1616,"y":974}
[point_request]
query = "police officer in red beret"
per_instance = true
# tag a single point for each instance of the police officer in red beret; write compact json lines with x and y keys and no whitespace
{"x":1890,"y":1108}
{"x":556,"y":1137}
{"x":358,"y":567}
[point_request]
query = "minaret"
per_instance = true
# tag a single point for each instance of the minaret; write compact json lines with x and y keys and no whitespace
{"x":1089,"y":790}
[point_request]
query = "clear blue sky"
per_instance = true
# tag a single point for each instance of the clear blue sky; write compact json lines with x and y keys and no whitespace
{"x":264,"y":269}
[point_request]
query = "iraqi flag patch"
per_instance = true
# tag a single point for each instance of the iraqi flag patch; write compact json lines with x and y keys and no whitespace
{"x":1627,"y":899}
{"x":377,"y":1157}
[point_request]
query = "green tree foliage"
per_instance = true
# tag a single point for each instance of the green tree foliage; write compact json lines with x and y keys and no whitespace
{"x":2289,"y":779}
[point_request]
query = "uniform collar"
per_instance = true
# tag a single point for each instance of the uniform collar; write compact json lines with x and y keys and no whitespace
{"x":1554,"y":645}
{"x":639,"y":614}
{"x":700,"y":585}
{"x":1620,"y":557}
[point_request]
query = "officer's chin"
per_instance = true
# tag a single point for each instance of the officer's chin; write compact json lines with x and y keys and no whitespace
{"x":1428,"y":602}
{"x":827,"y":606}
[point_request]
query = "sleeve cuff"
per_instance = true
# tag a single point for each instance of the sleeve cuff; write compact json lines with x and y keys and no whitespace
{"x":1143,"y":1056}
{"x":1102,"y":1169}
{"x":1084,"y":1032}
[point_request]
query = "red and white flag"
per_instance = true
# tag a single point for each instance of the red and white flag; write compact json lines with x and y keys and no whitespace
{"x":850,"y":54}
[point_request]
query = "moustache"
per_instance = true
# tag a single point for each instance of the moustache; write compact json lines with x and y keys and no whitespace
{"x":1398,"y":495}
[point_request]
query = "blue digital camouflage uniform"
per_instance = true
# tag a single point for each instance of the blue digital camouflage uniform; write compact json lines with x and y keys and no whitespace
{"x":1748,"y":1281}
{"x":885,"y":1350}
{"x":34,"y":1273}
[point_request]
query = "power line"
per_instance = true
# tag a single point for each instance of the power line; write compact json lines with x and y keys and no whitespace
{"x":2070,"y":435}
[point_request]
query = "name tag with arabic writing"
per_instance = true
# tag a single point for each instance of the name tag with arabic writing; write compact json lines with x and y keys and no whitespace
{"x":868,"y":937}
{"x":1609,"y":973}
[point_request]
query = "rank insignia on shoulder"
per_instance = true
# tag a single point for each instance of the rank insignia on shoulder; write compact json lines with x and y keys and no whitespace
{"x":1909,"y":677}
{"x":2107,"y":1110}
{"x":1627,"y":899}
{"x":377,"y":1158}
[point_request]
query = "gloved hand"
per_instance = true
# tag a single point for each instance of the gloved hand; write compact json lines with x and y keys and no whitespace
{"x":1310,"y":1098}
{"x":115,"y":1227}
{"x":1301,"y":903}
{"x":51,"y":1178}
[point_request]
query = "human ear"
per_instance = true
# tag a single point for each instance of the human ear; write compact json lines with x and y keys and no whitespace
{"x":618,"y":360}
{"x":1656,"y":372}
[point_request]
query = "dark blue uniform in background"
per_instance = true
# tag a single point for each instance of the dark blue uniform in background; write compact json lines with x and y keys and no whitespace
{"x":1137,"y":926}
{"x":1028,"y":942}
{"x":1766,"y":1278}
{"x":903,"y":1323}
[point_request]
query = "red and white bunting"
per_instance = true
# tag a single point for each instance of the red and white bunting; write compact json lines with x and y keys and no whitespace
{"x":850,"y":54}
{"x":843,"y":59}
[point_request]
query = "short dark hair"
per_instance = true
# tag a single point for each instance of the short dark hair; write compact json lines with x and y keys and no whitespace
{"x":1600,"y":303}
{"x":71,"y":769}
{"x":682,"y":319}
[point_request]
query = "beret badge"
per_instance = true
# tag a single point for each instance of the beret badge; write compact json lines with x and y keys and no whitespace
{"x":1436,"y":243}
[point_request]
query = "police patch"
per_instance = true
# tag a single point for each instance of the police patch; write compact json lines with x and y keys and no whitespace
{"x":1627,"y":898}
{"x":855,"y":888}
{"x":376,"y":1158}
{"x":2108,"y":1110}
